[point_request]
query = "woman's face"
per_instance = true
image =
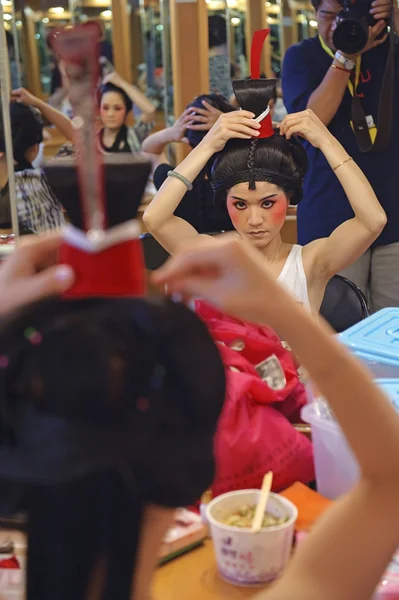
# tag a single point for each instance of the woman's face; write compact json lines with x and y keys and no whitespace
{"x":258,"y":215}
{"x":112,"y":110}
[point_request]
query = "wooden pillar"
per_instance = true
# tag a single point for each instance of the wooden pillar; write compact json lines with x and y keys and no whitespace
{"x":137,"y":56}
{"x":257,"y":19}
{"x":289,"y":28}
{"x":121,"y":39}
{"x":30,"y":53}
{"x":190,"y":63}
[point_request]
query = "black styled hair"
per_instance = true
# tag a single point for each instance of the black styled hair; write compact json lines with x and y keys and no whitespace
{"x":274,"y":159}
{"x":104,"y":409}
{"x":216,"y":100}
{"x":217,"y":32}
{"x":109,"y":87}
{"x":26,"y":130}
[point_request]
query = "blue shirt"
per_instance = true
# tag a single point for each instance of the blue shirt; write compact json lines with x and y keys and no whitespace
{"x":324,"y":205}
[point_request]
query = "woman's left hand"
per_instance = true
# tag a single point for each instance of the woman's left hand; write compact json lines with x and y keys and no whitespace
{"x":31,"y":273}
{"x":306,"y":125}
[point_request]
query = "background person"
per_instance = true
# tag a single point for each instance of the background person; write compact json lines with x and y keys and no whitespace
{"x":313,"y":78}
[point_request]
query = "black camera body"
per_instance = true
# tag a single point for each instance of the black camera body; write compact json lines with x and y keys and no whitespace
{"x":352,"y":31}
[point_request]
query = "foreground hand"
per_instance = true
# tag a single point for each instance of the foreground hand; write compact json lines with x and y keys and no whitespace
{"x":237,"y":124}
{"x":22,"y":96}
{"x":306,"y":125}
{"x":203,"y":118}
{"x":229,"y":274}
{"x":31,"y":273}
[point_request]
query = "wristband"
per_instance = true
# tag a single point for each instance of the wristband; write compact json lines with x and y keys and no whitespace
{"x":181,"y":178}
{"x":340,"y":69}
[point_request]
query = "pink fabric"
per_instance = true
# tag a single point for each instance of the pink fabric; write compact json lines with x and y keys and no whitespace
{"x":255,"y":434}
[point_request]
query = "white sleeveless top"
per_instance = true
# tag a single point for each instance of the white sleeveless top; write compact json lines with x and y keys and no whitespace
{"x":293,"y":277}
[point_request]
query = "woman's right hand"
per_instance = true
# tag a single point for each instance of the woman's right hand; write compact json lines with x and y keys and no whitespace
{"x":31,"y":273}
{"x":237,"y":124}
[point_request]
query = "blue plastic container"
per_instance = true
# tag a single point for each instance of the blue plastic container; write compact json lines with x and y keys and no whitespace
{"x":336,"y":467}
{"x":375,"y":341}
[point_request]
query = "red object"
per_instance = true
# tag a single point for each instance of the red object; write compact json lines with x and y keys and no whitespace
{"x":341,"y":69}
{"x":255,"y":432}
{"x":10,"y":563}
{"x":266,"y":130}
{"x":266,"y":127}
{"x":256,"y":51}
{"x":113,"y":272}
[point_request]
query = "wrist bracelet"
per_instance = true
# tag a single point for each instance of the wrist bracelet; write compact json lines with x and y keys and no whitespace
{"x":181,"y":178}
{"x":342,"y":163}
{"x":340,"y":69}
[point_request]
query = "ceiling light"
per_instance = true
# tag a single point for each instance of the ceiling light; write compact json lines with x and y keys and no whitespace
{"x":235,"y":21}
{"x":107,"y":14}
{"x":313,"y":23}
{"x":56,"y":10}
{"x":18,"y":23}
{"x":46,"y":20}
{"x":6,"y":2}
{"x":7,"y":17}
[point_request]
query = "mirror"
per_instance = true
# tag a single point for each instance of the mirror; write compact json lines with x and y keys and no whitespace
{"x":220,"y":48}
{"x":236,"y":10}
{"x":8,"y":206}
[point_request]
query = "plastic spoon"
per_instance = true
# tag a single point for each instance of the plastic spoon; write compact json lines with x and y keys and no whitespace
{"x":262,"y":502}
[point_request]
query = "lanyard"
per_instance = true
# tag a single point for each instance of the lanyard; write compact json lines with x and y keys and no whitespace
{"x":352,"y":88}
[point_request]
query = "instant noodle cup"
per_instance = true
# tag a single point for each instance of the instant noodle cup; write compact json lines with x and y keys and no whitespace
{"x":245,"y":558}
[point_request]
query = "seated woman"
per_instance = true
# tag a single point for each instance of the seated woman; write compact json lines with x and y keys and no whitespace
{"x":38,"y":208}
{"x":116,"y":101}
{"x":197,"y":206}
{"x":256,"y":177}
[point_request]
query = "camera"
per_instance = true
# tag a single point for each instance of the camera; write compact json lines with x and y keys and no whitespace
{"x":352,"y":31}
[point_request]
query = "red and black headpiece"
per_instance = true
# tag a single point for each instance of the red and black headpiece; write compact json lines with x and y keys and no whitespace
{"x":254,"y":94}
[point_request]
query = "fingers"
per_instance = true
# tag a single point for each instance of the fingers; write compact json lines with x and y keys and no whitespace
{"x":205,"y":259}
{"x":378,"y":42}
{"x":198,"y":127}
{"x":51,"y":282}
{"x":199,"y":119}
{"x":199,"y":111}
{"x":209,"y":107}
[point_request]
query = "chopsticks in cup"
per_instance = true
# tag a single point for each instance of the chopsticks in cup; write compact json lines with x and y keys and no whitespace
{"x":262,"y":503}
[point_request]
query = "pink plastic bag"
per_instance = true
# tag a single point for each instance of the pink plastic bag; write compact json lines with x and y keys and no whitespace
{"x":255,"y":432}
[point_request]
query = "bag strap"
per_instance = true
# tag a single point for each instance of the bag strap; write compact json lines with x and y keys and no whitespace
{"x":385,"y":108}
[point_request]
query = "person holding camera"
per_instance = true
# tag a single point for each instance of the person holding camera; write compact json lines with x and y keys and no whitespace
{"x":349,"y":76}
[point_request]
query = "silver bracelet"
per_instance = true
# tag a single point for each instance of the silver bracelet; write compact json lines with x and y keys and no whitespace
{"x":186,"y":182}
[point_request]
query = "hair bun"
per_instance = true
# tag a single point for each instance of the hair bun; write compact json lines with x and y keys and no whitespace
{"x":254,"y":94}
{"x":299,"y":154}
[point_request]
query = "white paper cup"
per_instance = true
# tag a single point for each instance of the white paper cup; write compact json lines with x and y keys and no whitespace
{"x":245,"y":558}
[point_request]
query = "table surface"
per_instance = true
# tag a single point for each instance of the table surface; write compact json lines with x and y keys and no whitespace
{"x":195,"y":576}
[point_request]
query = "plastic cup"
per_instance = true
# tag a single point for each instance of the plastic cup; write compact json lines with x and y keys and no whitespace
{"x":245,"y":558}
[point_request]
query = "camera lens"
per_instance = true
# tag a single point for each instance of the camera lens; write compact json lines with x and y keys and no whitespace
{"x":351,"y":35}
